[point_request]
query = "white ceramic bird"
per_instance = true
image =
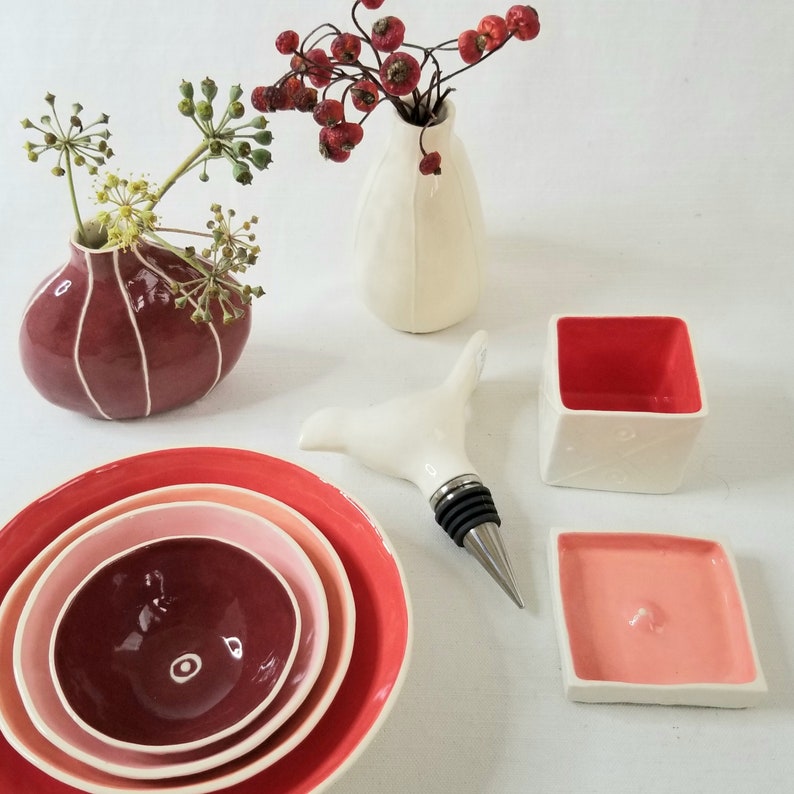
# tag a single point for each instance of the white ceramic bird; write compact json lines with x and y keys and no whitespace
{"x":420,"y":437}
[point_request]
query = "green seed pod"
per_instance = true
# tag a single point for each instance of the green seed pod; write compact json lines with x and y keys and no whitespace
{"x":58,"y":171}
{"x":209,"y":88}
{"x":242,"y":149}
{"x":215,"y":147}
{"x":261,"y":158}
{"x":186,"y":89}
{"x":242,"y":174}
{"x":264,"y":137}
{"x":235,"y":92}
{"x":186,"y":107}
{"x":204,"y":111}
{"x":236,"y":110}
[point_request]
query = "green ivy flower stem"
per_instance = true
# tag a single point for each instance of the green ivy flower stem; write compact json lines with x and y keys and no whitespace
{"x":181,"y":169}
{"x":73,"y":196}
{"x":193,"y":261}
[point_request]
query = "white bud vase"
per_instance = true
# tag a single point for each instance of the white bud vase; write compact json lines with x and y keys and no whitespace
{"x":419,"y":246}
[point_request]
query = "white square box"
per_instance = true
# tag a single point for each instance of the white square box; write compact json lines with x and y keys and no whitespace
{"x":621,"y":403}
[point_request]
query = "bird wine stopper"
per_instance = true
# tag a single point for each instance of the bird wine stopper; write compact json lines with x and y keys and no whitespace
{"x":420,"y":437}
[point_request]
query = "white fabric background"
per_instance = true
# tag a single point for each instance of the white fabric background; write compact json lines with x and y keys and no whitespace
{"x":636,"y":158}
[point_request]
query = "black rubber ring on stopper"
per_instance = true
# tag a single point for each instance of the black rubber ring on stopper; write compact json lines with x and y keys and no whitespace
{"x":466,"y":508}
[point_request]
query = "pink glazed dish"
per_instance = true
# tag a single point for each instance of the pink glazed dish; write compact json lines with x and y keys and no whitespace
{"x":652,"y":618}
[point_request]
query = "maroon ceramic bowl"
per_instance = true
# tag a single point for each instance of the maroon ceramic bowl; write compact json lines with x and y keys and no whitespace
{"x":174,"y":643}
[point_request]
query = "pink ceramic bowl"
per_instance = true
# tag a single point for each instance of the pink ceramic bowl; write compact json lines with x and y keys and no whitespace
{"x":176,"y":643}
{"x":321,"y":740}
{"x":328,"y":621}
{"x":106,"y":537}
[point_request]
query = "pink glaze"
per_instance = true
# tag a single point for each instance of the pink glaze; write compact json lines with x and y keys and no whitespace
{"x":653,"y":609}
{"x":627,"y":364}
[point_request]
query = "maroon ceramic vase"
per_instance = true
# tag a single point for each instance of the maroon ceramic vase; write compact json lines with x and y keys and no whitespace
{"x":102,"y":336}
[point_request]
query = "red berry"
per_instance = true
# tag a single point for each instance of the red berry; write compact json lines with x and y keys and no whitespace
{"x":400,"y":73}
{"x":329,"y":148}
{"x":346,"y":47}
{"x":305,"y":99}
{"x":364,"y":95}
{"x":329,"y":112}
{"x":351,"y":132}
{"x":258,"y":98}
{"x":287,"y":42}
{"x":298,"y":64}
{"x":430,"y":164}
{"x":269,"y":98}
{"x":292,"y":85}
{"x":522,"y":22}
{"x":494,"y":28}
{"x":388,"y":34}
{"x":319,"y":67}
{"x":372,"y":4}
{"x":471,"y":45}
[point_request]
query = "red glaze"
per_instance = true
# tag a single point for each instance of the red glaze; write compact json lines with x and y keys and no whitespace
{"x":627,"y":364}
{"x":181,"y":601}
{"x":102,"y":336}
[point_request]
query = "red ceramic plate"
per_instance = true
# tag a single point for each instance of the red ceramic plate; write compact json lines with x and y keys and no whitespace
{"x":383,"y":625}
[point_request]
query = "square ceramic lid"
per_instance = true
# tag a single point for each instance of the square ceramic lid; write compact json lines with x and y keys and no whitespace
{"x":652,"y":618}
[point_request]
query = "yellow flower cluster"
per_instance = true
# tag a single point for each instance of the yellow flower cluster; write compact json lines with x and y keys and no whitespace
{"x":129,"y":215}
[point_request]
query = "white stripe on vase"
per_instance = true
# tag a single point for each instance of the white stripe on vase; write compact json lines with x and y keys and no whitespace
{"x":125,"y":299}
{"x":211,"y":325}
{"x":78,"y":335}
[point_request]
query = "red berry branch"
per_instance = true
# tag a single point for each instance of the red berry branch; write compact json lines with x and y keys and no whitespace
{"x":332,"y":70}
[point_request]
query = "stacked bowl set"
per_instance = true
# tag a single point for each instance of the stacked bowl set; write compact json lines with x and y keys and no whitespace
{"x":195,"y":619}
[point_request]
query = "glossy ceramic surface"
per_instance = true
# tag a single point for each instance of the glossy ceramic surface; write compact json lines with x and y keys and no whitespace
{"x":621,"y":403}
{"x":314,"y":677}
{"x":101,"y":335}
{"x":652,"y":618}
{"x":174,"y":643}
{"x":383,"y":625}
{"x":419,"y":437}
{"x":419,"y":246}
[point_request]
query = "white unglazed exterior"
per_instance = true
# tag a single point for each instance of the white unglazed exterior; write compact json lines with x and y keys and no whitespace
{"x":629,"y":451}
{"x":419,"y":247}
